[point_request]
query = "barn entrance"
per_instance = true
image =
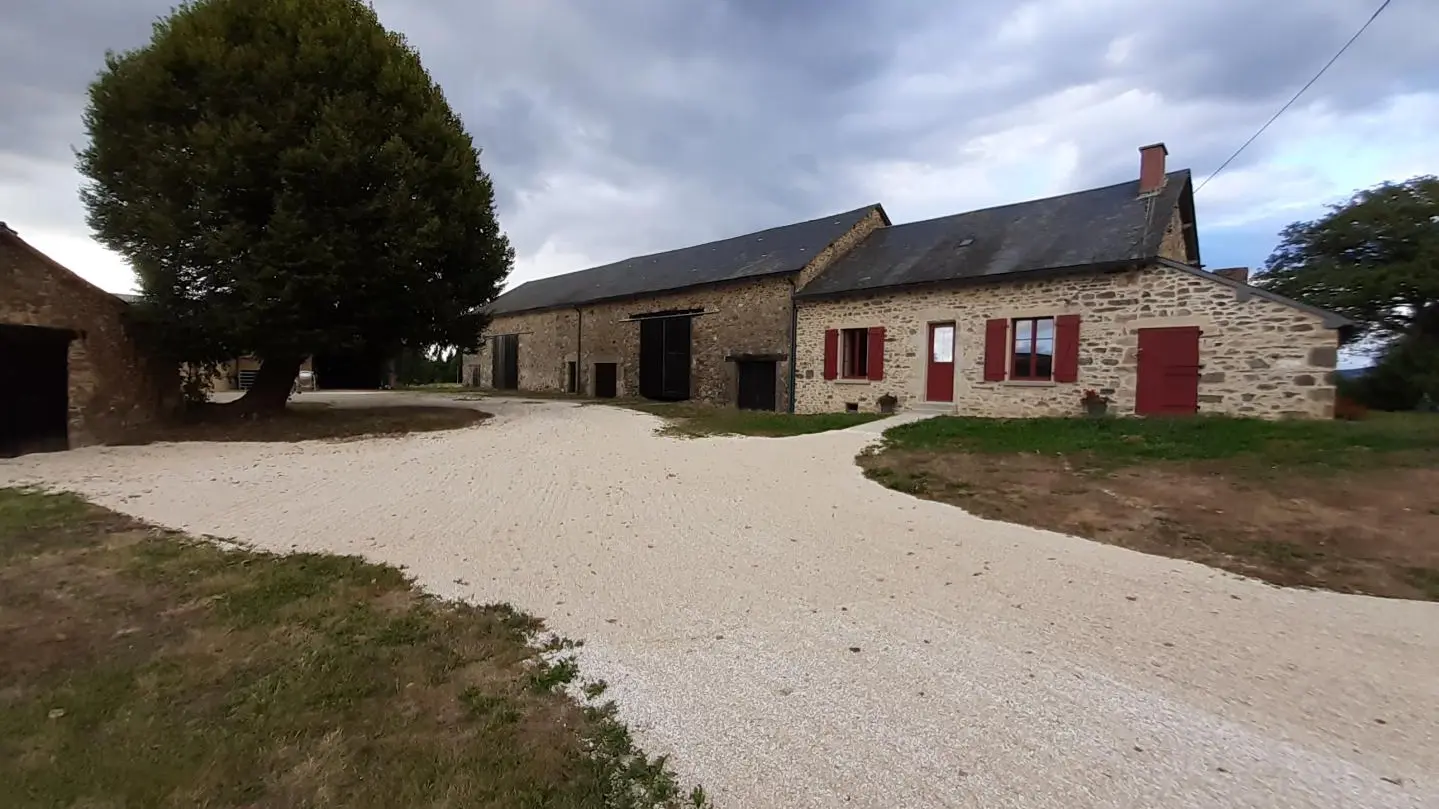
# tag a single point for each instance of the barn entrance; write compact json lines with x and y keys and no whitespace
{"x":606,"y":380}
{"x":756,"y":381}
{"x":665,"y":354}
{"x":505,"y":362}
{"x":1168,"y":374}
{"x":35,"y":401}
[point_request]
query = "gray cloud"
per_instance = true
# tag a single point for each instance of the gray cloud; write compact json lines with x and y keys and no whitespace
{"x":634,"y":125}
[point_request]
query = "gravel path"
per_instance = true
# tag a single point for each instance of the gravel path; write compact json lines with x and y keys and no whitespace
{"x":798,"y":636}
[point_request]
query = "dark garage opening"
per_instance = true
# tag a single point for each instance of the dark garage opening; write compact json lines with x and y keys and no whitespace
{"x":35,"y":401}
{"x":606,"y":380}
{"x":505,"y":362}
{"x":362,"y":369}
{"x":757,"y":384}
{"x":665,"y":355}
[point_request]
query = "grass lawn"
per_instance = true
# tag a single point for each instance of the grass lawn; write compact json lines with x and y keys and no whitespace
{"x":1351,"y":506}
{"x":139,"y":667}
{"x":302,"y":421}
{"x":692,"y":420}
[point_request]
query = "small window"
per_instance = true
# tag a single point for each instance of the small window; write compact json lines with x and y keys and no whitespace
{"x":1033,"y":355}
{"x":855,"y":343}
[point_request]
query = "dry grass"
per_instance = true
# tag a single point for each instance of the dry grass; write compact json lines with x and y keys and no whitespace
{"x":143,"y":668}
{"x":301,"y":421}
{"x":1335,"y":505}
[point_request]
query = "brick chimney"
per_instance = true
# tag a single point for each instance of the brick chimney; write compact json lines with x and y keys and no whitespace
{"x":1151,"y":168}
{"x":1240,"y":274}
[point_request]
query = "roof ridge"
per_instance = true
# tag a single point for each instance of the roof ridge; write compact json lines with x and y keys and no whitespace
{"x":1081,"y":191}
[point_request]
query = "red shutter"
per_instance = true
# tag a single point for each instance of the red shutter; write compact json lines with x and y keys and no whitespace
{"x":996,"y":349}
{"x":876,"y":353}
{"x":1066,"y":348}
{"x":831,"y":353}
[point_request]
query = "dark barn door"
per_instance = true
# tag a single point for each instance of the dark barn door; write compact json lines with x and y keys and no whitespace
{"x":35,"y":402}
{"x":665,"y":358}
{"x":756,"y":384}
{"x":606,"y":377}
{"x":505,"y":362}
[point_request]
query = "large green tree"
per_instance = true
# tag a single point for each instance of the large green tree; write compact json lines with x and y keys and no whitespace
{"x":287,"y":179}
{"x":1374,"y":259}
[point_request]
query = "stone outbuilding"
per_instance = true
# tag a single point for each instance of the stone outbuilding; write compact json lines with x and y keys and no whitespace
{"x":713,"y":322}
{"x":75,"y":373}
{"x":1032,"y":308}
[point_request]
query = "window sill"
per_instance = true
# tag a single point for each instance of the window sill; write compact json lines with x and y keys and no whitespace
{"x":1029,"y":383}
{"x":852,"y":380}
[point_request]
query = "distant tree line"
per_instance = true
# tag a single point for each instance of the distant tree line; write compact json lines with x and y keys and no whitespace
{"x":427,"y":366}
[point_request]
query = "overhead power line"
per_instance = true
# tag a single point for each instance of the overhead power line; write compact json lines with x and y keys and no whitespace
{"x":1291,"y":101}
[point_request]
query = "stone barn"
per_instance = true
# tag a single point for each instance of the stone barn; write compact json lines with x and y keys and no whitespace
{"x":75,"y":373}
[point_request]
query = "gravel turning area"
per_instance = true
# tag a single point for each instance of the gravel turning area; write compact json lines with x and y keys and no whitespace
{"x":799,"y":636}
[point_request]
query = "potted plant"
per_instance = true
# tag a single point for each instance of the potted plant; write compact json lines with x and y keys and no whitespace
{"x":1094,"y":403}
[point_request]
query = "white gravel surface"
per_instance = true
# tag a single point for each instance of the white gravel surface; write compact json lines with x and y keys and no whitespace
{"x":797,"y":636}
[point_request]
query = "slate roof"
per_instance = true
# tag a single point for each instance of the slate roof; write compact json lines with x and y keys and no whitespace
{"x":768,"y":252}
{"x":1110,"y":225}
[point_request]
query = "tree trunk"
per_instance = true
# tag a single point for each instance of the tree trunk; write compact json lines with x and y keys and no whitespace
{"x":272,"y":386}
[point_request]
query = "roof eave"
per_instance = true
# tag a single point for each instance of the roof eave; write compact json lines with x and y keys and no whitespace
{"x":1009,"y":277}
{"x":639,"y":295}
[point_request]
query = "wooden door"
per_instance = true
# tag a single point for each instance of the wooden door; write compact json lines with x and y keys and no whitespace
{"x":1168,"y":383}
{"x":665,"y":357}
{"x":606,"y":378}
{"x":939,"y":379}
{"x":757,"y":384}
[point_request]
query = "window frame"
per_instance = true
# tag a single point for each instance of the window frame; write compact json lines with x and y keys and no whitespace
{"x":846,"y":354}
{"x":1013,"y":353}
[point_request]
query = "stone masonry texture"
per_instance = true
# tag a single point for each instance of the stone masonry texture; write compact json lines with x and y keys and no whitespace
{"x":115,"y":385}
{"x":1260,"y":358}
{"x":751,"y":317}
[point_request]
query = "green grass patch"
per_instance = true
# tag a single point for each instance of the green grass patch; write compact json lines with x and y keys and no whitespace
{"x":693,"y":420}
{"x":1387,"y":438}
{"x":139,"y":667}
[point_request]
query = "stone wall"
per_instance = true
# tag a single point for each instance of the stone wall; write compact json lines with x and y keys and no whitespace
{"x":840,"y":247}
{"x":749,"y":317}
{"x":1173,"y":245}
{"x":115,"y":385}
{"x":1260,"y":358}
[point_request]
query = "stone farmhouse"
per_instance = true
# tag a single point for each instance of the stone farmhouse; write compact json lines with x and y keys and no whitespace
{"x":76,"y":372}
{"x":1014,"y":311}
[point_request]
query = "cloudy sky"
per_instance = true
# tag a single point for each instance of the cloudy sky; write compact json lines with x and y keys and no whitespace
{"x":618,"y":127}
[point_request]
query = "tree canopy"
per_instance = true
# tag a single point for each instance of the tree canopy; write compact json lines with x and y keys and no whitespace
{"x":287,"y":179}
{"x":1373,"y":259}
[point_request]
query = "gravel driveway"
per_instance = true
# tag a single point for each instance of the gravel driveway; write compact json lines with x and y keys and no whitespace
{"x":798,"y":636}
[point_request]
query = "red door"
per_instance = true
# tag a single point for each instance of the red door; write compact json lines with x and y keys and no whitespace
{"x":1168,"y":372}
{"x":939,"y":381}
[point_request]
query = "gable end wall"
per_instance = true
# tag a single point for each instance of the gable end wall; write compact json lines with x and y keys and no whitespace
{"x":115,"y":385}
